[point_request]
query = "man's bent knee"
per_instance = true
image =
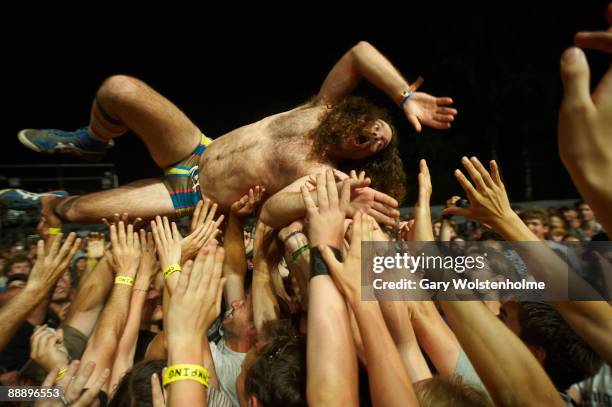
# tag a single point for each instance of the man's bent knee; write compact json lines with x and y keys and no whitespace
{"x":118,"y":86}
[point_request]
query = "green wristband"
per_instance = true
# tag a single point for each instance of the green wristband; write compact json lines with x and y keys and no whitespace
{"x":298,"y":252}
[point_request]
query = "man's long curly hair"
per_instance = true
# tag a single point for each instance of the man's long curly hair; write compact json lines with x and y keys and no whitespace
{"x":347,"y":118}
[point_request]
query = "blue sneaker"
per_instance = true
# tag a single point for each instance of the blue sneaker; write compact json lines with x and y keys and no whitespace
{"x":21,"y":199}
{"x":52,"y":141}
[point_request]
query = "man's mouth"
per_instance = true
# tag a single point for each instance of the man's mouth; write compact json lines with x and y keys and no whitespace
{"x":361,"y":139}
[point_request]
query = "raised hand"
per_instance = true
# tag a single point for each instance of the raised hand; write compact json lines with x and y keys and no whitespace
{"x":196,"y":301}
{"x":148,"y":261}
{"x":125,"y":249}
{"x":424,"y":109}
{"x":422,"y":230}
{"x":347,"y":275}
{"x":585,"y":120}
{"x":52,"y":261}
{"x":489,"y":202}
{"x":95,"y":245}
{"x":167,"y":240}
{"x":377,"y":204}
{"x":599,"y":40}
{"x":203,"y":229}
{"x":47,"y":348}
{"x":74,"y":393}
{"x":326,"y":223}
{"x":123,"y":217}
{"x":246,"y":205}
{"x":204,"y":213}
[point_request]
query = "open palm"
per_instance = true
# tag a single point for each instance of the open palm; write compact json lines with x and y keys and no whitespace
{"x":424,"y":109}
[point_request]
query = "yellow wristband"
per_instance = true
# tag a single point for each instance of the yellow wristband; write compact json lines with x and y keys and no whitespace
{"x":178,"y":372}
{"x":171,"y":269}
{"x":61,"y":374}
{"x":124,"y":280}
{"x":54,"y":231}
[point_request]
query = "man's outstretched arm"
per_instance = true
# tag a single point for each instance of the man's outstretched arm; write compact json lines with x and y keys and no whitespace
{"x":365,"y":61}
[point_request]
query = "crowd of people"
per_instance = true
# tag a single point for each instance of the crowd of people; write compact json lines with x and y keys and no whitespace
{"x":256,"y":300}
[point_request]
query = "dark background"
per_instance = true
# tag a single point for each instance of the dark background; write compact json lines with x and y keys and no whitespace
{"x":499,"y":61}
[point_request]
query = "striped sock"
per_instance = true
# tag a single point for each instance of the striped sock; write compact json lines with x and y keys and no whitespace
{"x":102,"y":126}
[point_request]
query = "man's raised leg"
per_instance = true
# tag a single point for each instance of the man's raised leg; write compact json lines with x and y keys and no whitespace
{"x":123,"y":103}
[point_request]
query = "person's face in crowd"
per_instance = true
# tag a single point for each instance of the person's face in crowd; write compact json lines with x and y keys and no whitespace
{"x":81,"y":265}
{"x":569,"y":215}
{"x":556,"y":222}
{"x":240,"y":319}
{"x":586,"y":214}
{"x":62,"y":288}
{"x":588,"y":229}
{"x":21,"y":267}
{"x":243,"y":398}
{"x":372,"y":140}
{"x":575,"y":223}
{"x":557,"y":235}
{"x":537,"y":227}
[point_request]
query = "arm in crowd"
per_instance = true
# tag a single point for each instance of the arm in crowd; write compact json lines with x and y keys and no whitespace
{"x":90,"y":296}
{"x":265,"y":304}
{"x":395,"y":313}
{"x":592,"y":320}
{"x":204,"y":227}
{"x":446,"y":229}
{"x":173,"y":250}
{"x":390,"y":384}
{"x":331,"y":359}
{"x":51,"y":261}
{"x":102,"y":344}
{"x":365,"y":61}
{"x":287,"y":205}
{"x":433,"y":334}
{"x":235,"y":265}
{"x":193,"y":307}
{"x":585,"y":120}
{"x":397,"y":320}
{"x":147,"y":269}
{"x":93,"y":290}
{"x":297,"y":257}
{"x":503,"y":362}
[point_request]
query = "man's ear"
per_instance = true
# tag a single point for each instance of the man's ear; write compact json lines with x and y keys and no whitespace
{"x":538,"y":352}
{"x":253,"y":402}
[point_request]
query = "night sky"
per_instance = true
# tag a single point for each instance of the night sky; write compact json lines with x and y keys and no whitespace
{"x":499,"y":62}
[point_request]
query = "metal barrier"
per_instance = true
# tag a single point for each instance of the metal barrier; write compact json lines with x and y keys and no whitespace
{"x":35,"y":176}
